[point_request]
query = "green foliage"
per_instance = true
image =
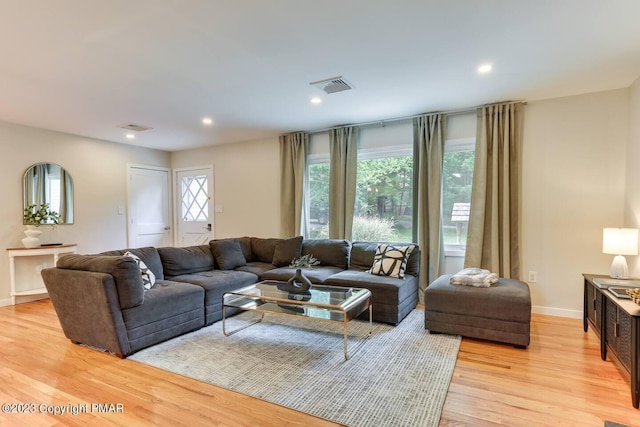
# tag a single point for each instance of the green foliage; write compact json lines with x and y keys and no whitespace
{"x":384,"y":187}
{"x":319,"y":185}
{"x":320,"y":233}
{"x":373,"y":229}
{"x":40,"y":214}
{"x":366,"y":228}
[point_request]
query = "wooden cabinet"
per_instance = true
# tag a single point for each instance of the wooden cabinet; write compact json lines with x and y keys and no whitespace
{"x":617,"y":322}
{"x":592,"y":306}
{"x":25,"y":266}
{"x":618,"y":334}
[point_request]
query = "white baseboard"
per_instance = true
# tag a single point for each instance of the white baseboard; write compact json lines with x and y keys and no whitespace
{"x":23,"y":299}
{"x":560,"y":312}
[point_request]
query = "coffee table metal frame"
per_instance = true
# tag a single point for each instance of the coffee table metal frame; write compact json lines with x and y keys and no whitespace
{"x":265,"y":297}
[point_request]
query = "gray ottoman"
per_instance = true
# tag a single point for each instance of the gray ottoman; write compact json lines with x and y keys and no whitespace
{"x":500,"y":313}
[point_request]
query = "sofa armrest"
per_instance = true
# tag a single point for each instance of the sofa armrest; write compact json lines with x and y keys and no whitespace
{"x":88,"y":308}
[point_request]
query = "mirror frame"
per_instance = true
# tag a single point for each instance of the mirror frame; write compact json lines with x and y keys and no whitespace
{"x":69,"y":217}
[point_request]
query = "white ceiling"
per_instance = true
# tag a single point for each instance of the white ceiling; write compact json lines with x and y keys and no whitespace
{"x":86,"y":66}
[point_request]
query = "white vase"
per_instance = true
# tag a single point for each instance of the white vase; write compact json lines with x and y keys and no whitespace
{"x":32,"y":233}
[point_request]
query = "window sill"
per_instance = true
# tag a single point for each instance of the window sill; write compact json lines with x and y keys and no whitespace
{"x":454,"y":252}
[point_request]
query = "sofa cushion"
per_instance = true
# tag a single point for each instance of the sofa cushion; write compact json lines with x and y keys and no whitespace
{"x":330,"y":252}
{"x":124,"y":270}
{"x":256,"y":267}
{"x":149,"y":255}
{"x":216,"y":283}
{"x":148,"y":278}
{"x":263,"y":249}
{"x":170,"y":308}
{"x":508,"y":300}
{"x":362,"y":254}
{"x":391,"y":260}
{"x":228,"y":253}
{"x":384,"y":289}
{"x":287,"y":250}
{"x":190,"y":259}
{"x":245,"y":245}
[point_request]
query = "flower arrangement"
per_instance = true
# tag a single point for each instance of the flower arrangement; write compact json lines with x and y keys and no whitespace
{"x":305,"y":261}
{"x":40,"y":214}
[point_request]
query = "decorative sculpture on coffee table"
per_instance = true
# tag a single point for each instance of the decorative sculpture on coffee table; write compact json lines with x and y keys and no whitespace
{"x":299,"y":283}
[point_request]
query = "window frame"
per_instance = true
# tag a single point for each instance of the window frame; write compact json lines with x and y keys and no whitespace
{"x":402,"y":150}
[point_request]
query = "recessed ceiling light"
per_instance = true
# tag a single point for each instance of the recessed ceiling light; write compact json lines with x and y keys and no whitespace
{"x":316,"y":100}
{"x":130,"y":136}
{"x":207,"y":120}
{"x":485,"y":68}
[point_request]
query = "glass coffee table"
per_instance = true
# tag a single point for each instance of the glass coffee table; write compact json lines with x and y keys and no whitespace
{"x":322,"y":303}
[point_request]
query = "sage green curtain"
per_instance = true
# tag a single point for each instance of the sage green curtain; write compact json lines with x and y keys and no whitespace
{"x":293,"y":163}
{"x":66,"y":197}
{"x":343,"y":155}
{"x":428,"y":151}
{"x":493,"y":239}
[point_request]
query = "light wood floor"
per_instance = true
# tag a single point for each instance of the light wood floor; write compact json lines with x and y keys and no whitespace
{"x":559,"y":381}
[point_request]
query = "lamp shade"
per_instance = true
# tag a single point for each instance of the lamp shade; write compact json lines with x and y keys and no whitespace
{"x":620,"y":241}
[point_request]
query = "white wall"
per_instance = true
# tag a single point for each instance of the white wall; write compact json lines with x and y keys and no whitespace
{"x":632,"y":194}
{"x":573,"y":186}
{"x":98,"y":169}
{"x":247,"y":185}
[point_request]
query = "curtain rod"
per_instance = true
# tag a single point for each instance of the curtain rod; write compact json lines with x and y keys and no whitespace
{"x":400,"y":119}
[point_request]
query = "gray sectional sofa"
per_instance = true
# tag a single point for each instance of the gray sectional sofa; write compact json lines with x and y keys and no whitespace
{"x":101,"y":301}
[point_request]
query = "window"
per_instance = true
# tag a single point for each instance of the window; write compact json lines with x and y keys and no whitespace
{"x":195,"y":200}
{"x":457,"y":179}
{"x":318,"y":170}
{"x":384,"y":195}
{"x":53,"y":192}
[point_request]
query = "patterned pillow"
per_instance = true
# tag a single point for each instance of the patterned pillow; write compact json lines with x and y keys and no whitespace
{"x":148,"y":278}
{"x":391,"y":260}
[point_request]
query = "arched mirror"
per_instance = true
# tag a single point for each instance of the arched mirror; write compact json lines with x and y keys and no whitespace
{"x":50,"y":183}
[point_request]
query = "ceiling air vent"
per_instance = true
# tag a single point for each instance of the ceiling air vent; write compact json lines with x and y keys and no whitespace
{"x":332,"y":85}
{"x":135,"y":127}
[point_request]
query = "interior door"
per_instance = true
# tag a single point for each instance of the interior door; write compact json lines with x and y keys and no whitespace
{"x":194,"y":188}
{"x":148,"y":207}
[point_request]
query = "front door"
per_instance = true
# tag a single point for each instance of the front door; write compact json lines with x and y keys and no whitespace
{"x":194,"y":189}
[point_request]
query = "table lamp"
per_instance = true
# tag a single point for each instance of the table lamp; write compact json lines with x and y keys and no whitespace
{"x":620,"y":242}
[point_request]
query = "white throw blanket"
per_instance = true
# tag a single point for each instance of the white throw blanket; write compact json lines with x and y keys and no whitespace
{"x":474,"y":277}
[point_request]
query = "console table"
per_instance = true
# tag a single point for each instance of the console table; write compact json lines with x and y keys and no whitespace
{"x":617,"y":322}
{"x":25,"y":265}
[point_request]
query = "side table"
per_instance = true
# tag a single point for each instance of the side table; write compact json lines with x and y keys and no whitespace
{"x":25,"y":265}
{"x":617,"y":322}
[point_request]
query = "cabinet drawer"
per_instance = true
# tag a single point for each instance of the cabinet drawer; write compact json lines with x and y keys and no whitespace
{"x":594,"y":306}
{"x":618,"y":333}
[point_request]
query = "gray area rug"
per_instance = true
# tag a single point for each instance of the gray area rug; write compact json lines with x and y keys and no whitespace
{"x":398,"y":377}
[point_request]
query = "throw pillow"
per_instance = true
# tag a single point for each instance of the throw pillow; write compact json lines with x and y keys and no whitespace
{"x":148,"y":278}
{"x":391,"y":260}
{"x":228,"y":253}
{"x":287,"y":250}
